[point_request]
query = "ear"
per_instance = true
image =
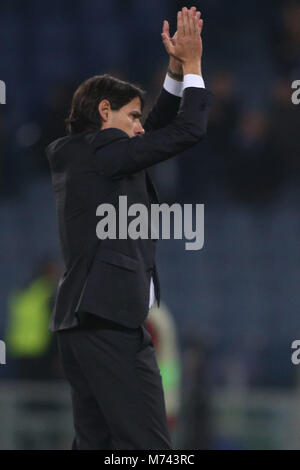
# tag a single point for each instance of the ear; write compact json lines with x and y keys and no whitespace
{"x":104,"y":110}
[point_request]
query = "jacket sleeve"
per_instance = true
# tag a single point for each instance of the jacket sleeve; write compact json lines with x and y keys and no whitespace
{"x":131,"y":155}
{"x":163,"y":112}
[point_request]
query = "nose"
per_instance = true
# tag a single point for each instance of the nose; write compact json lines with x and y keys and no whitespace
{"x":140,"y":130}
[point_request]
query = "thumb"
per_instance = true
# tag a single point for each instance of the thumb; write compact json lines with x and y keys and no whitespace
{"x":166,"y":28}
{"x":173,"y":39}
{"x":166,"y":38}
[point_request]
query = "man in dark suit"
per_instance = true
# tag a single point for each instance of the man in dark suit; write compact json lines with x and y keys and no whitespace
{"x":109,"y":285}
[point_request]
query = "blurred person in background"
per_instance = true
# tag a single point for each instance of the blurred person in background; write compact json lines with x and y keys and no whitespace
{"x":30,"y":345}
{"x":6,"y":170}
{"x":208,"y":183}
{"x":162,"y":328}
{"x":101,"y":305}
{"x":254,"y":171}
{"x":196,"y":412}
{"x":224,"y":117}
{"x":284,"y":130}
{"x":287,"y":39}
{"x":44,"y":124}
{"x":52,"y":125}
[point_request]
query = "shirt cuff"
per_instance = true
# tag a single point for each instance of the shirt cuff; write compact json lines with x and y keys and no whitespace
{"x":193,"y":80}
{"x":176,"y":88}
{"x":173,"y":86}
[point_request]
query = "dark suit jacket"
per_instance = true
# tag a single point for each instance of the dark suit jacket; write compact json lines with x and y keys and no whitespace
{"x":111,"y":278}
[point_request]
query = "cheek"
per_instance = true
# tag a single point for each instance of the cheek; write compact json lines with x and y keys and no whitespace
{"x":130,"y":124}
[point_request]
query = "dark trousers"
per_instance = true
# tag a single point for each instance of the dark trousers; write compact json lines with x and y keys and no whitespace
{"x":116,"y":387}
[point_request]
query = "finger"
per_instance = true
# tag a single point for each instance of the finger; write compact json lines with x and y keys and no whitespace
{"x":193,"y":10}
{"x":198,"y":15}
{"x":166,"y":28}
{"x":200,"y":22}
{"x":186,"y":23}
{"x":197,"y":25}
{"x":200,"y":26}
{"x":192,"y":22}
{"x":180,"y":27}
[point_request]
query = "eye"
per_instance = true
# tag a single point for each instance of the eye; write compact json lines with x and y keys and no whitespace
{"x":135,"y":116}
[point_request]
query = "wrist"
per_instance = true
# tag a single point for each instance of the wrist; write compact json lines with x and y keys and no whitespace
{"x":175,"y":76}
{"x":175,"y":70}
{"x":193,"y":67}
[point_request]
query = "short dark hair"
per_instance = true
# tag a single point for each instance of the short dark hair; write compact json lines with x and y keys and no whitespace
{"x":84,"y":114}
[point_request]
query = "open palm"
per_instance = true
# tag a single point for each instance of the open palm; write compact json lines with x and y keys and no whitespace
{"x":173,"y":39}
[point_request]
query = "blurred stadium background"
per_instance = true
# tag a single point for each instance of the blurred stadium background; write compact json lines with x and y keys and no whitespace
{"x":234,"y":307}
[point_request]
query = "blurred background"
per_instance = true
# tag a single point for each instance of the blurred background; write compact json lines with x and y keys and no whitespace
{"x":231,"y":310}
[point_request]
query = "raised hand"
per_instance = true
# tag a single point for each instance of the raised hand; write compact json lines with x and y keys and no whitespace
{"x":166,"y":26}
{"x":186,"y":45}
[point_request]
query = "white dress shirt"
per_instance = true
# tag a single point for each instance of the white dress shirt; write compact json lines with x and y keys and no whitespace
{"x":176,"y":88}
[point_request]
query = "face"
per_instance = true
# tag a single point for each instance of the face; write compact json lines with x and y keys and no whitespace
{"x":128,"y":118}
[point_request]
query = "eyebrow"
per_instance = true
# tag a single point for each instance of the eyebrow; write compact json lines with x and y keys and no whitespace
{"x":136,"y":113}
